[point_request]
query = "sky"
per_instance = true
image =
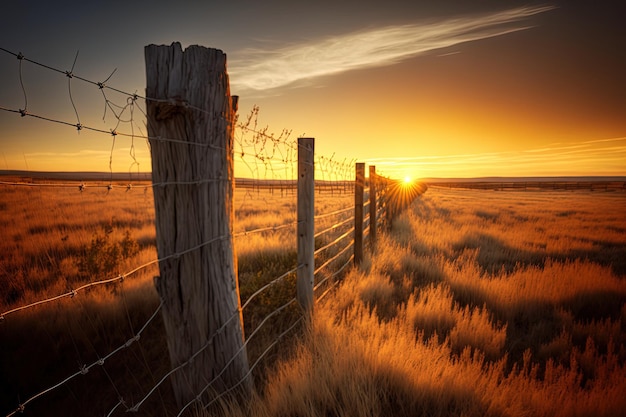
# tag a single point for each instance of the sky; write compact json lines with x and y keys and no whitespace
{"x":419,"y":89}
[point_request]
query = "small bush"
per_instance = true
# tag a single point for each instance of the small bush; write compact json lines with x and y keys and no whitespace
{"x":104,"y":255}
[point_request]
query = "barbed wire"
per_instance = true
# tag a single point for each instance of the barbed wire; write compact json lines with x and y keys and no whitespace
{"x":334,"y":213}
{"x":265,"y":154}
{"x":233,"y":316}
{"x":334,"y":242}
{"x":124,"y":113}
{"x":239,"y":351}
{"x":333,"y":227}
{"x":84,"y":369}
{"x":334,"y":258}
{"x":258,"y":360}
{"x":112,"y":132}
{"x":265,"y":229}
{"x":118,"y":278}
{"x":334,"y":275}
{"x":138,"y":405}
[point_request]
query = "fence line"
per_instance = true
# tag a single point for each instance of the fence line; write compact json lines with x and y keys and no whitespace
{"x":264,"y":147}
{"x":248,"y":301}
{"x":121,"y":277}
{"x":267,"y":149}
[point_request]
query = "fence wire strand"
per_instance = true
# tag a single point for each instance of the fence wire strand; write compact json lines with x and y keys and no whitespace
{"x":266,"y":155}
{"x":239,"y":351}
{"x":118,"y":278}
{"x":85,"y":368}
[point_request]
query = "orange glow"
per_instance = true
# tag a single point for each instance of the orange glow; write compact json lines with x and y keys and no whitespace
{"x":450,"y":96}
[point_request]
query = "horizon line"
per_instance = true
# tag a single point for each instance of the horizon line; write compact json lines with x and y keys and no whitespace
{"x":103,"y":176}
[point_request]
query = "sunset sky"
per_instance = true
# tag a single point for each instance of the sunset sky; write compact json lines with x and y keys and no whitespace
{"x":460,"y":89}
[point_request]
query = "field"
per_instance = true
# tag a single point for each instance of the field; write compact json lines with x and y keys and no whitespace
{"x":55,"y":239}
{"x":476,"y":302}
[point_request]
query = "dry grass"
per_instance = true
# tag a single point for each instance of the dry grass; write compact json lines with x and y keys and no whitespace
{"x":477,"y":303}
{"x":48,"y":231}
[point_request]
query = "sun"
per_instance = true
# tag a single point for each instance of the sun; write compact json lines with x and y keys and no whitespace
{"x":407,"y":179}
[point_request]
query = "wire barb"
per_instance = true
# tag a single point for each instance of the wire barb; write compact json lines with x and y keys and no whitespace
{"x":268,"y":156}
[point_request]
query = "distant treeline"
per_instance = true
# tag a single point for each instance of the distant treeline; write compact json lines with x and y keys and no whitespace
{"x":595,"y":185}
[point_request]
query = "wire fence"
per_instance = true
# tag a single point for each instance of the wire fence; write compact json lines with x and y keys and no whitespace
{"x":269,"y":161}
{"x":339,"y":220}
{"x":265,"y":155}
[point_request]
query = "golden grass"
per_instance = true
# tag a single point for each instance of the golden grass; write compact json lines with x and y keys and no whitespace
{"x":477,"y":303}
{"x":47,"y":231}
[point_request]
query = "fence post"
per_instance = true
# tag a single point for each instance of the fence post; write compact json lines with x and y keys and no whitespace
{"x":192,"y":110}
{"x":306,"y":224}
{"x":358,"y":212}
{"x":373,"y":208}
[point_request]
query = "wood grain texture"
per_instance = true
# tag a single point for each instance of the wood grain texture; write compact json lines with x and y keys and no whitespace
{"x":190,"y":102}
{"x":306,"y":223}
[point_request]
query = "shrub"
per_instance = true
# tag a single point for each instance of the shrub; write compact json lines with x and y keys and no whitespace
{"x":104,"y":255}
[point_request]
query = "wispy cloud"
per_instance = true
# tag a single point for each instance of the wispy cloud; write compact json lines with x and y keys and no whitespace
{"x":266,"y":69}
{"x":82,"y":153}
{"x":594,"y":157}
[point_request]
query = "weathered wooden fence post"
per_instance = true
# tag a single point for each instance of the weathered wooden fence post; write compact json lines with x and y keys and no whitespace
{"x":191,"y":117}
{"x":373,"y":208}
{"x":358,"y":212}
{"x":306,"y":223}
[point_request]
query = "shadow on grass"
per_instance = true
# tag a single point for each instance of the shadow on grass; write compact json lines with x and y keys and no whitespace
{"x":533,"y":323}
{"x":495,"y":256}
{"x":398,"y":398}
{"x":53,"y":343}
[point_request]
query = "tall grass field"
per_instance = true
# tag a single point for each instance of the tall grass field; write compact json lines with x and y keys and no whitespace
{"x":473,"y":303}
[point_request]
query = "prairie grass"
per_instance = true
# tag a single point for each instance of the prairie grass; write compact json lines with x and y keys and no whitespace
{"x":56,"y":239}
{"x":46,"y":230}
{"x":476,"y":303}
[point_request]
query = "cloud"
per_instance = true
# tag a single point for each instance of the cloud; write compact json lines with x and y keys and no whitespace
{"x":267,"y":69}
{"x":603,"y":156}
